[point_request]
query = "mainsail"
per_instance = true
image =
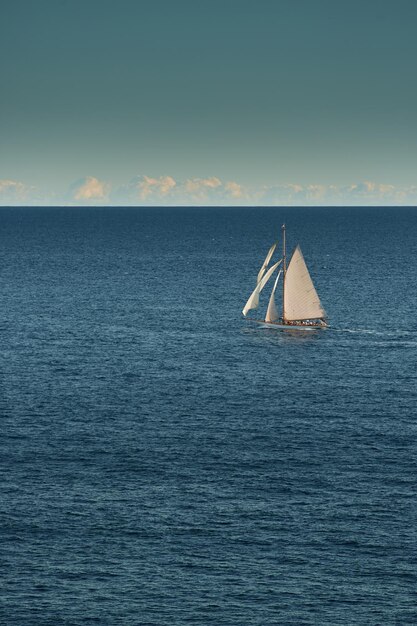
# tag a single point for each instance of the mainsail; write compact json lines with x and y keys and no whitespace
{"x":266,"y":262}
{"x":253,"y":301}
{"x":301,"y":301}
{"x":272,"y":313}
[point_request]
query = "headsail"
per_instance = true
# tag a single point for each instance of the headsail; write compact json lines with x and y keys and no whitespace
{"x":253,"y":301}
{"x":272,"y":313}
{"x":266,"y":262}
{"x":301,"y":300}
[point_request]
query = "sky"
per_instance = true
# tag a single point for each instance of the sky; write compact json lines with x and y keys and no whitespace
{"x":138,"y":102}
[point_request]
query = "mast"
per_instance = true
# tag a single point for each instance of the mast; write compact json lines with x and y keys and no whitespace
{"x":284,"y":270}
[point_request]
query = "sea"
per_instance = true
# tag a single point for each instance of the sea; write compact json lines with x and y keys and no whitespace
{"x":165,"y":462}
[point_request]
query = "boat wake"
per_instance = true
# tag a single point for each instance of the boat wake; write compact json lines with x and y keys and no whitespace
{"x":398,"y":333}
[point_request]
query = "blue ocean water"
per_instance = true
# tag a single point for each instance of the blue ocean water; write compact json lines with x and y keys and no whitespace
{"x":164,"y":462}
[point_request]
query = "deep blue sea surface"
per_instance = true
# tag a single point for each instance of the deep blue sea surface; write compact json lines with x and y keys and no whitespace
{"x":164,"y":462}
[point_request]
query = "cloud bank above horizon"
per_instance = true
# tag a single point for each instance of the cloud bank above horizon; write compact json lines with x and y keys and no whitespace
{"x":164,"y":190}
{"x":275,"y":103}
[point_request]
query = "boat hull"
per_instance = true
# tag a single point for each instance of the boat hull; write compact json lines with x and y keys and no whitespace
{"x":280,"y":326}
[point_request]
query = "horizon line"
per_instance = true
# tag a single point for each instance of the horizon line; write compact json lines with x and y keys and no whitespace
{"x":208,"y":206}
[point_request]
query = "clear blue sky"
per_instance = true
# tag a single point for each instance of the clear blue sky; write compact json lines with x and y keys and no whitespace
{"x":264,"y":92}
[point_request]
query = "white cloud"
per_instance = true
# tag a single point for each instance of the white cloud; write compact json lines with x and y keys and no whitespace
{"x":164,"y":190}
{"x":364,"y":193}
{"x":89,"y":190}
{"x":198,"y":185}
{"x":376,"y":194}
{"x":200,"y":190}
{"x":235,"y":190}
{"x":144,"y":189}
{"x":160,"y":186}
{"x":281,"y":195}
{"x":147,"y":190}
{"x":13,"y":192}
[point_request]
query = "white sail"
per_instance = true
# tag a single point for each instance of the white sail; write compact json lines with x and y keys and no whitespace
{"x":300,"y":297}
{"x":266,"y":262}
{"x":253,"y":301}
{"x":272,"y":313}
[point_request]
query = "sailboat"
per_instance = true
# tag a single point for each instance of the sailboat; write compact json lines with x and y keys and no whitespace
{"x":301,"y":306}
